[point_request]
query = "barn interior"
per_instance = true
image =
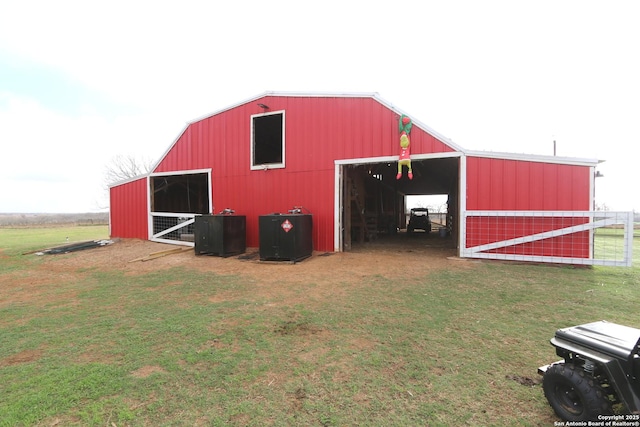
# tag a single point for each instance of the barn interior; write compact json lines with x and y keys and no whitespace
{"x":375,"y":202}
{"x":180,"y":193}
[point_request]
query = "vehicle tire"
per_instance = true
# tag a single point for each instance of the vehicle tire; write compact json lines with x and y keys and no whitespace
{"x":574,"y":395}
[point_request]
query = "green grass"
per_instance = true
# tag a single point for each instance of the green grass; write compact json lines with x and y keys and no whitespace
{"x":19,"y":240}
{"x":609,"y":243}
{"x":15,"y":241}
{"x":439,"y":349}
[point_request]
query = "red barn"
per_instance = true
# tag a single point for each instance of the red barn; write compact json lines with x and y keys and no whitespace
{"x":335,"y":156}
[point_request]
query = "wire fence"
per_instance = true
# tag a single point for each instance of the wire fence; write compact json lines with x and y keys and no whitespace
{"x":572,"y":237}
{"x":173,"y":227}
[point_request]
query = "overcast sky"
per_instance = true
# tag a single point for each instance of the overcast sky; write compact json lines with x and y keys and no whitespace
{"x":84,"y":81}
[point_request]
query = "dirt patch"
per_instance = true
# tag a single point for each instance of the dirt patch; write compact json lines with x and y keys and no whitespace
{"x":297,"y":398}
{"x":301,"y":328}
{"x":331,"y":273}
{"x":25,"y":356}
{"x":526,"y":381}
{"x":432,"y":251}
{"x":146,"y":371}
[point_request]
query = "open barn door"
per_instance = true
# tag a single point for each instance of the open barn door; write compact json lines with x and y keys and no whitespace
{"x":371,"y":200}
{"x":175,"y":199}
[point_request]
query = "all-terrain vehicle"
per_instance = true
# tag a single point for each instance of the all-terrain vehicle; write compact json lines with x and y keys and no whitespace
{"x":419,"y":220}
{"x":600,"y":368}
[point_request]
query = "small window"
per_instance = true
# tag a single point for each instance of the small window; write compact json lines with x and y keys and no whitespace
{"x":267,"y":140}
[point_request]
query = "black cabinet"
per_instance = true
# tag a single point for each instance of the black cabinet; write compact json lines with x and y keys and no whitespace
{"x":221,"y":235}
{"x":285,"y":237}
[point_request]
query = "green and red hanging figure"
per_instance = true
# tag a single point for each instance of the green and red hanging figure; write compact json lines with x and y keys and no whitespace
{"x":404,"y":126}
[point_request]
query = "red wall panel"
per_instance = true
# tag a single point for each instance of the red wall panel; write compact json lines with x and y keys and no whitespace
{"x":503,"y":184}
{"x":128,"y":210}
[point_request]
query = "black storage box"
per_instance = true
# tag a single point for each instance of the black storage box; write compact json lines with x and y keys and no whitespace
{"x":285,"y":237}
{"x":221,"y":235}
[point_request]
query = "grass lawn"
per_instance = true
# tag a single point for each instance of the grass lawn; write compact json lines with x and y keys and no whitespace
{"x":456,"y":346}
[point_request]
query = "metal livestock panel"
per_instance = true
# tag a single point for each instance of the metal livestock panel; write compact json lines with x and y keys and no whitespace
{"x":506,"y":232}
{"x":569,"y":237}
{"x":128,"y":215}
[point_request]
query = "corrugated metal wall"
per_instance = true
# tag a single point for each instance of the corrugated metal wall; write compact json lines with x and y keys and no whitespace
{"x":502,"y":184}
{"x":319,"y":130}
{"x":128,"y":210}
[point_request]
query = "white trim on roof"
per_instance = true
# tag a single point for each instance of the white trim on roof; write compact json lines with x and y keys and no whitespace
{"x":373,"y":95}
{"x":175,"y":140}
{"x":292,"y":95}
{"x":533,"y":158}
{"x":432,"y":132}
{"x":126,"y":181}
{"x":387,"y":159}
{"x":182,"y":172}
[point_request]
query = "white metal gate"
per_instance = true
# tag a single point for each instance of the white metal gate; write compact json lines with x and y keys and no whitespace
{"x":176,"y":228}
{"x":569,"y":237}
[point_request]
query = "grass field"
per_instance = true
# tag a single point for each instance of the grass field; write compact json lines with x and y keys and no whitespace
{"x":456,"y":346}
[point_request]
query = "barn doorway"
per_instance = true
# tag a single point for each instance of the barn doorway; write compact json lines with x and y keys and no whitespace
{"x":374,"y":205}
{"x":175,"y":200}
{"x":437,"y":206}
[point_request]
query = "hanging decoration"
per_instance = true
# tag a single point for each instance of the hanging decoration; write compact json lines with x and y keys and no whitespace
{"x":404,"y":127}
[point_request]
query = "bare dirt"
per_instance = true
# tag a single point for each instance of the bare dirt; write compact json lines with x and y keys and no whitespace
{"x":396,"y":257}
{"x":400,"y":256}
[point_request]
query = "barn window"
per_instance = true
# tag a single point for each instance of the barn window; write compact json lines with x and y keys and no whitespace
{"x":267,"y":140}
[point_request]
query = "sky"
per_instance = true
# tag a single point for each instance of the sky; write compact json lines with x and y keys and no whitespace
{"x":83,"y":82}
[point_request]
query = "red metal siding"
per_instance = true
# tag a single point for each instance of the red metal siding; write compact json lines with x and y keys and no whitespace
{"x":318,"y":130}
{"x":128,"y":210}
{"x":501,"y":184}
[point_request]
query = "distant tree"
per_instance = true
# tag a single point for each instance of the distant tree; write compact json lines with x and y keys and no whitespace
{"x":123,"y":167}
